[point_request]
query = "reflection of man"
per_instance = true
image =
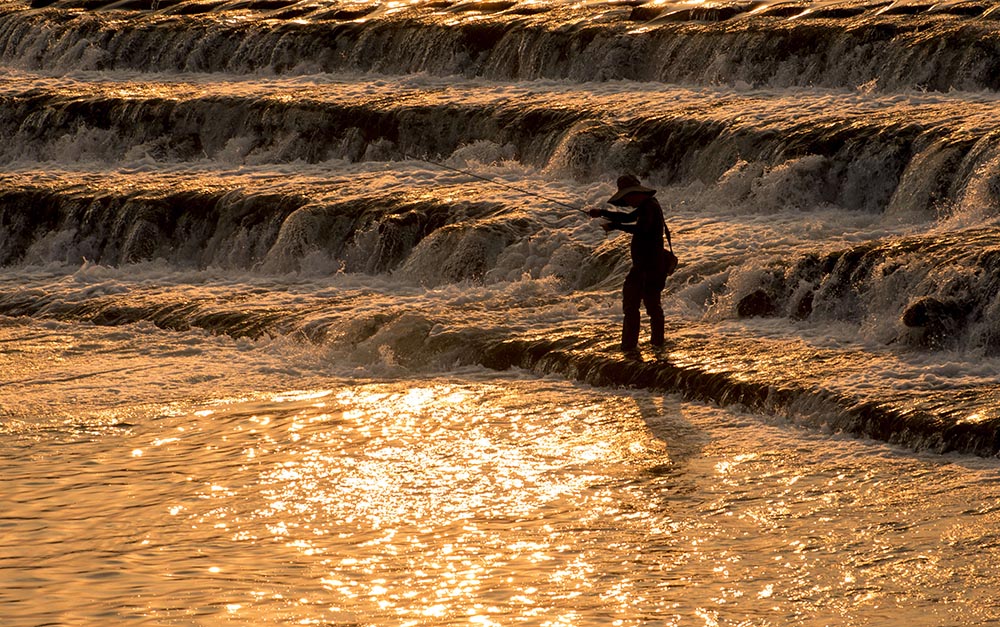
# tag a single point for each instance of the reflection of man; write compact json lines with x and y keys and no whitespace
{"x":648,"y":275}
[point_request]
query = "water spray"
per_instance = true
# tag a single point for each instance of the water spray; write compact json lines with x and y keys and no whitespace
{"x":495,"y":182}
{"x":511,"y":187}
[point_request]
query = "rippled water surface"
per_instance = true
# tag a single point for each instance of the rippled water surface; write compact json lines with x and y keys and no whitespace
{"x":484,"y":500}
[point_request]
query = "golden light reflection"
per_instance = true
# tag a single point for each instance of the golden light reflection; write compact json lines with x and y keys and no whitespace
{"x":293,"y":397}
{"x":727,"y":466}
{"x":975,"y":418}
{"x":443,"y":502}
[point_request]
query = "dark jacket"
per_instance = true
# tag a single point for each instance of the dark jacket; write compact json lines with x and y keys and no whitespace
{"x":647,"y":226}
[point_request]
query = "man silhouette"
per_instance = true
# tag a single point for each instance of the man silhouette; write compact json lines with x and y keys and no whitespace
{"x":648,"y":275}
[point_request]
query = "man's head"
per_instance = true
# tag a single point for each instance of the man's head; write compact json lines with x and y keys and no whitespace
{"x":630,"y":192}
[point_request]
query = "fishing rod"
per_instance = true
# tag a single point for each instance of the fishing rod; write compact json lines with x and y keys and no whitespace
{"x":501,"y":184}
{"x":495,"y":182}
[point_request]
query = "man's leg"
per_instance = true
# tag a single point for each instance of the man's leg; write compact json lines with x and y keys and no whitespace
{"x":655,"y":312}
{"x":651,"y":292}
{"x":631,"y":297}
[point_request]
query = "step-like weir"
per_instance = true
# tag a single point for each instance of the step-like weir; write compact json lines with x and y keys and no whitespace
{"x":252,"y":230}
{"x":940,"y":428}
{"x":934,"y":290}
{"x":940,"y":290}
{"x":785,"y":44}
{"x":758,"y":379}
{"x":917,"y":158}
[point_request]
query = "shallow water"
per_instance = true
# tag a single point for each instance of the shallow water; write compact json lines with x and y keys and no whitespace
{"x":477,"y":499}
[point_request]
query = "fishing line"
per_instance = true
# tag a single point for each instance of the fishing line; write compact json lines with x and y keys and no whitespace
{"x":502,"y":184}
{"x":495,"y":182}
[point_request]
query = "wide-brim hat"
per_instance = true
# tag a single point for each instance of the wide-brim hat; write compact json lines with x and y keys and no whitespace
{"x":628,"y":184}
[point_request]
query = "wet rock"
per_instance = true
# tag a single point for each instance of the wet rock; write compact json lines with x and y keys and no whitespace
{"x":938,"y":319}
{"x":804,"y":306}
{"x":757,"y":303}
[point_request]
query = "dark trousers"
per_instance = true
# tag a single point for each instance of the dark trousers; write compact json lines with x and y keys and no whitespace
{"x":642,"y":286}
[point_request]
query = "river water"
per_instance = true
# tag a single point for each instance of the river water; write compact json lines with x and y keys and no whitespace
{"x":274,"y":352}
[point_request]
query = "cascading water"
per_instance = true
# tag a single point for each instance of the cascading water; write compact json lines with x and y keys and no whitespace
{"x":253,"y":272}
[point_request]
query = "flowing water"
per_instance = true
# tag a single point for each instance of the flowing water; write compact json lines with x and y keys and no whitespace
{"x":275,"y":349}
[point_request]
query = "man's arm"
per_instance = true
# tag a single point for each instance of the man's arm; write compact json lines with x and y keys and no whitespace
{"x":628,"y":228}
{"x":618,"y":217}
{"x":618,"y":220}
